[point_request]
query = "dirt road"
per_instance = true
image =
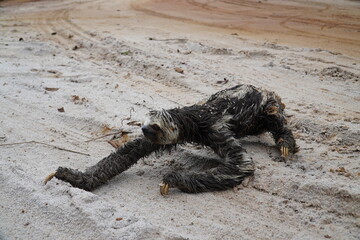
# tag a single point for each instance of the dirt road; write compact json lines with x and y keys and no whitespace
{"x":73,"y":71}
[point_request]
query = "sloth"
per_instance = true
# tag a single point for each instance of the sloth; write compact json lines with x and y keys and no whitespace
{"x":218,"y":123}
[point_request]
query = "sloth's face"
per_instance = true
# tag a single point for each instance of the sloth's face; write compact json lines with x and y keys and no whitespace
{"x":160,"y":128}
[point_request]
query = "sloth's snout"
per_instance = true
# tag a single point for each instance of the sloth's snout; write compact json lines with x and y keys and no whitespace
{"x":148,"y":131}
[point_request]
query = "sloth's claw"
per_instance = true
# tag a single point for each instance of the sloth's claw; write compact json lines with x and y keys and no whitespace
{"x":284,"y":151}
{"x":49,"y":177}
{"x":164,"y":188}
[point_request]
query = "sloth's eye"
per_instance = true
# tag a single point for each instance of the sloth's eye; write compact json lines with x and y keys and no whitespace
{"x":155,"y":127}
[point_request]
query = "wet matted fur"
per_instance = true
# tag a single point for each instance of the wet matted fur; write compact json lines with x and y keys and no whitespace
{"x":217,"y":123}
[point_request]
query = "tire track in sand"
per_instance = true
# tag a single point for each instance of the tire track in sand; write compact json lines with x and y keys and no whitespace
{"x":163,"y":82}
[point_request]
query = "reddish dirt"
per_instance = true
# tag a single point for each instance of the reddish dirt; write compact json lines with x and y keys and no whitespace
{"x":305,"y":23}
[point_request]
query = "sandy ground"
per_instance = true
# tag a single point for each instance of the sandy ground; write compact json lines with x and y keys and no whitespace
{"x":71,"y":71}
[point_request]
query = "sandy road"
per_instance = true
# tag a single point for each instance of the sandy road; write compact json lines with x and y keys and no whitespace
{"x":120,"y":57}
{"x":74,"y":21}
{"x":327,"y":24}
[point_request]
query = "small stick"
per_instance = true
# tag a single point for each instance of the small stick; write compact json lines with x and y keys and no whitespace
{"x":46,"y":144}
{"x":168,"y":39}
{"x":309,"y":148}
{"x":109,"y":134}
{"x":128,"y":118}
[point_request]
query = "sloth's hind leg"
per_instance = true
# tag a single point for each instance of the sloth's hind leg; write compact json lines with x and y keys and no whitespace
{"x":237,"y":165}
{"x":195,"y":162}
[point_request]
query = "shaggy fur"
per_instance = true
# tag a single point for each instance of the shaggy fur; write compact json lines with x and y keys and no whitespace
{"x":218,"y":124}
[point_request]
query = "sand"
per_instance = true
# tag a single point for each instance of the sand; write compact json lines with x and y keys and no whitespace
{"x":73,"y":71}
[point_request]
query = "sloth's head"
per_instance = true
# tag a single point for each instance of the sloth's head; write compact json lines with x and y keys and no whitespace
{"x":160,"y":128}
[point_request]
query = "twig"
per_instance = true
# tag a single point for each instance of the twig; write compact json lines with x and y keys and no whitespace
{"x":169,"y":39}
{"x":128,"y":118}
{"x":309,"y":148}
{"x":46,"y":144}
{"x":109,"y":134}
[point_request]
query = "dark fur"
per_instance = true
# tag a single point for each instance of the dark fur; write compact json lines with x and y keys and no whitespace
{"x":218,"y":123}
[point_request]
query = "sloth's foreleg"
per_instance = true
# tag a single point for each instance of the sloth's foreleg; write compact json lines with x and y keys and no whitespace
{"x":236,"y":166}
{"x":108,"y":167}
{"x":276,"y":123}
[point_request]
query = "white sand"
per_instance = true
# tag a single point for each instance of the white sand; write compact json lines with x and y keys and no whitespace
{"x":118,"y":70}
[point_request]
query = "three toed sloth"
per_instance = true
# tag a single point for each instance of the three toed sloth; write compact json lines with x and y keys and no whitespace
{"x":218,"y":124}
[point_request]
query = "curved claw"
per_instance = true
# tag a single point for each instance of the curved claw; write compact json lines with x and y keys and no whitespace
{"x":284,"y":151}
{"x":49,"y":177}
{"x":164,"y":189}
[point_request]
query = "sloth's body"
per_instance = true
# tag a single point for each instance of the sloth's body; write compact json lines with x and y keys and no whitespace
{"x":218,"y":124}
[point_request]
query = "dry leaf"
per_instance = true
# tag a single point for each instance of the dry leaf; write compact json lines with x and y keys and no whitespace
{"x":75,"y":97}
{"x":61,"y":109}
{"x":106,"y":128}
{"x":118,"y":142}
{"x":77,"y":100}
{"x":134,"y":123}
{"x":179,"y":70}
{"x":341,"y":169}
{"x":51,"y":89}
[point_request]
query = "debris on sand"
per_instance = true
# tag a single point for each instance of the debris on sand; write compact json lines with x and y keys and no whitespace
{"x":50,"y":89}
{"x":224,"y":81}
{"x":339,"y":74}
{"x":78,"y":100}
{"x":118,"y":142}
{"x":179,"y":70}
